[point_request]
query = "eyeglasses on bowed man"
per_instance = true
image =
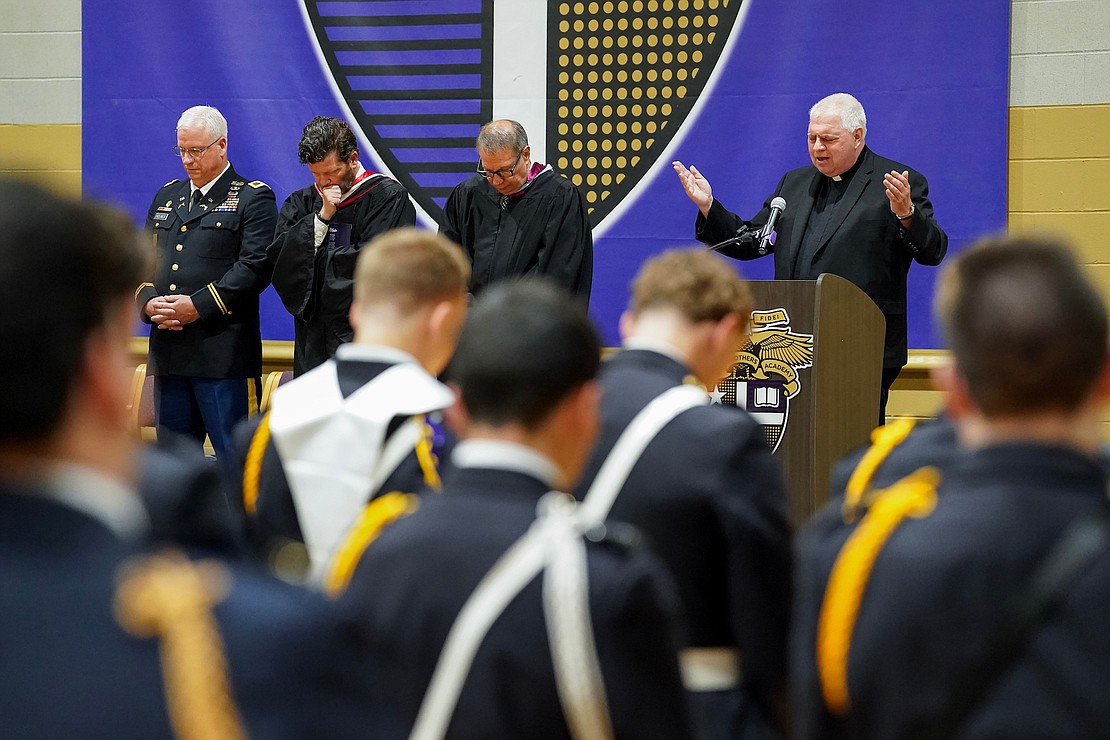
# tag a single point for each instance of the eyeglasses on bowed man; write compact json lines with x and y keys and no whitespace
{"x":194,"y":152}
{"x":503,"y":173}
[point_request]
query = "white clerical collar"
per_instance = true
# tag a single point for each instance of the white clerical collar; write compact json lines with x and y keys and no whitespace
{"x":373,"y":353}
{"x":501,"y":455}
{"x":208,"y":185}
{"x":836,"y":178}
{"x":656,"y":345}
{"x":105,"y":499}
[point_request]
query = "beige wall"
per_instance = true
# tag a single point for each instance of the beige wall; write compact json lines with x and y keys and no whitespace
{"x":40,"y":91}
{"x":1059,"y":52}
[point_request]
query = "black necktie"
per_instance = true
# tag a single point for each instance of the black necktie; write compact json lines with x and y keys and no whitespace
{"x":197,"y":195}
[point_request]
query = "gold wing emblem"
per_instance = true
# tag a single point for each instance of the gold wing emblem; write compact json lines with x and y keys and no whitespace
{"x":786,"y":346}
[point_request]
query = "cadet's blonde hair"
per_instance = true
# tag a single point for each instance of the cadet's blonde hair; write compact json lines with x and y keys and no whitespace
{"x":700,"y":285}
{"x":410,"y":267}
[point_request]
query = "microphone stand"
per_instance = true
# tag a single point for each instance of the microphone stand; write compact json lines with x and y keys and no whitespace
{"x":744,"y":235}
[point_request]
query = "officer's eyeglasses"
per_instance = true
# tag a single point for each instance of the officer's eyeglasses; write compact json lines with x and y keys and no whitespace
{"x":503,"y":174}
{"x":194,"y":152}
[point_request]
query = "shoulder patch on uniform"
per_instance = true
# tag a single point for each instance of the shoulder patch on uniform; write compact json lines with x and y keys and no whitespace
{"x":171,"y":182}
{"x":258,"y":184}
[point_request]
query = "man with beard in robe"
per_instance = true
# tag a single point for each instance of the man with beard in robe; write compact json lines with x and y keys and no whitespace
{"x":321,"y":229}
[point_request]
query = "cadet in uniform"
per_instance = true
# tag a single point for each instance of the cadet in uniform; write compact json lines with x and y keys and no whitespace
{"x":210,"y":233}
{"x":321,"y":229}
{"x":102,"y":640}
{"x":706,"y":490}
{"x":357,"y":426}
{"x":896,"y":450}
{"x":527,"y":416}
{"x":932,"y":618}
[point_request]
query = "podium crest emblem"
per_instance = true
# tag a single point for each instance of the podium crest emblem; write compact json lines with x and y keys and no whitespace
{"x":765,"y":376}
{"x":604,"y":88}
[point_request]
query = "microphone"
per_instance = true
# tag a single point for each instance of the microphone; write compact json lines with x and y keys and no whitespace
{"x":767,"y":235}
{"x":745,"y":234}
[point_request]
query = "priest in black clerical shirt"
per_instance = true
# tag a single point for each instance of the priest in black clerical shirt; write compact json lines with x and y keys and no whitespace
{"x":852,"y":213}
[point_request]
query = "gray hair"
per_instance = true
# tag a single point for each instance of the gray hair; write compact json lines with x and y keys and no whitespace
{"x":206,"y":117}
{"x":502,"y":134}
{"x":843,"y":106}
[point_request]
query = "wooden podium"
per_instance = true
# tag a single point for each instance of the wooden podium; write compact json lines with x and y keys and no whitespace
{"x":811,"y":376}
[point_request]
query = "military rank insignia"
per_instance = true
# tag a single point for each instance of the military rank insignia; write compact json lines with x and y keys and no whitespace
{"x":231,"y":202}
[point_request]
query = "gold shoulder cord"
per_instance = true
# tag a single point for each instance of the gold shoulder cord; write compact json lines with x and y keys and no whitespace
{"x":914,"y":495}
{"x":167,"y":596}
{"x":252,"y":465}
{"x":252,"y":396}
{"x":378,"y":514}
{"x":429,"y":465}
{"x":883,"y":441}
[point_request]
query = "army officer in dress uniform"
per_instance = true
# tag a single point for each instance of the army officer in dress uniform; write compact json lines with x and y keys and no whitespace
{"x":210,"y":234}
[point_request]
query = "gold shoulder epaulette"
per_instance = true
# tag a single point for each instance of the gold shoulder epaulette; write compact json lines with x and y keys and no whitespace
{"x":258,"y":184}
{"x":171,"y":182}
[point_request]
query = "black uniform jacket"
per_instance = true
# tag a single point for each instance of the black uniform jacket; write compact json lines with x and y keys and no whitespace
{"x":543,"y":231}
{"x":709,"y":498}
{"x":412,"y":582}
{"x":315,"y":285}
{"x":943,"y":587}
{"x":217,"y":255}
{"x":864,"y":243}
{"x":929,"y":442}
{"x":71,"y":670}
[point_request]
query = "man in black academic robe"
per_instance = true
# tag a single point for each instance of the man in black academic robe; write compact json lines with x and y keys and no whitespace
{"x":518,"y":217}
{"x":321,"y":229}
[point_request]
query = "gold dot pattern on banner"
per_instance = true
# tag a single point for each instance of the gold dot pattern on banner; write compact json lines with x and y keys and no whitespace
{"x":622,"y":70}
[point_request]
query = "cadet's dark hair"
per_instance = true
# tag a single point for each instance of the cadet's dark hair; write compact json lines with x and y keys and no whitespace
{"x":525,"y":345}
{"x":1027,"y":329}
{"x":64,"y":266}
{"x":323,"y":135}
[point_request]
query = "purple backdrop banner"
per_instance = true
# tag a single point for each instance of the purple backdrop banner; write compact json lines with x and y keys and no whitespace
{"x":610,"y":93}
